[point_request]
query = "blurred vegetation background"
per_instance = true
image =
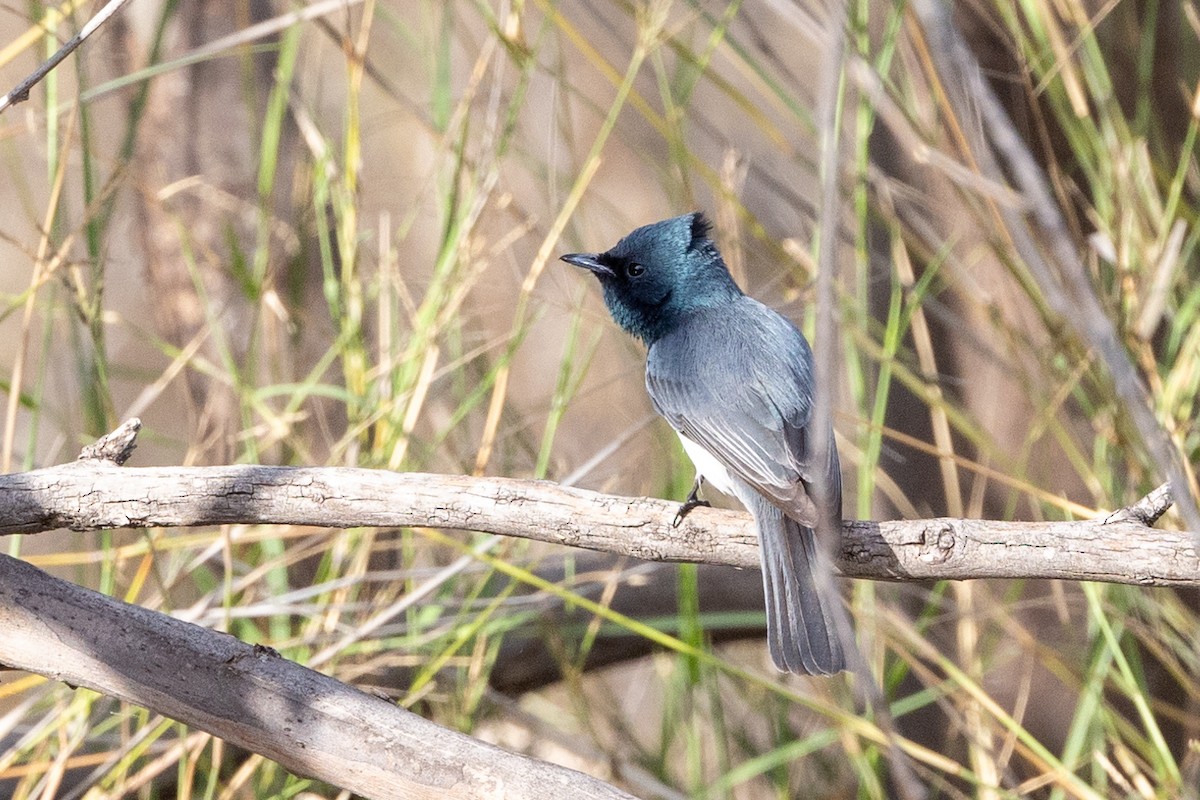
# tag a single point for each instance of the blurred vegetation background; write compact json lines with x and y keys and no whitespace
{"x":327,"y":234}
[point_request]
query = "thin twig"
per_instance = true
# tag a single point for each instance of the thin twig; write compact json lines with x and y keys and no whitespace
{"x":21,"y":92}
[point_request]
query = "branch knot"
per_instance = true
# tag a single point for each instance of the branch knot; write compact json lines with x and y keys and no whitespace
{"x":937,"y":542}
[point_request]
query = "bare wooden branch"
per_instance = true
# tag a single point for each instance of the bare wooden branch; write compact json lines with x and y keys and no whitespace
{"x":97,"y":494}
{"x":311,"y":724}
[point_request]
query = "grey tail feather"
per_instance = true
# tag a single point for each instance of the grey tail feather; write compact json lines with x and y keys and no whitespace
{"x":802,"y":635}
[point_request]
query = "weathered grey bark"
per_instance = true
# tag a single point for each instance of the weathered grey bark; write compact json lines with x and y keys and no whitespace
{"x":95,"y":493}
{"x":311,"y":724}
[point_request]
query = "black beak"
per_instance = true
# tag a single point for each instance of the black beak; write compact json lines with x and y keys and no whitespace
{"x":590,"y":262}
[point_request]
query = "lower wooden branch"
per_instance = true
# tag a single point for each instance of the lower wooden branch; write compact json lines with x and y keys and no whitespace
{"x":311,"y":724}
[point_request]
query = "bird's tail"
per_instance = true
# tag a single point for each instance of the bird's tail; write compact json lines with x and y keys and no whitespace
{"x":801,"y":634}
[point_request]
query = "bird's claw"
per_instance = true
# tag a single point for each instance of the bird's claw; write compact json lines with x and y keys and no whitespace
{"x":691,"y":502}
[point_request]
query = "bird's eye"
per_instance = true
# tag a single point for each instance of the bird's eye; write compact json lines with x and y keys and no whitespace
{"x":633,"y":269}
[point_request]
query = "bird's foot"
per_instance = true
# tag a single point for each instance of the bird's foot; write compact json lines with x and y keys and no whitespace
{"x":691,"y":502}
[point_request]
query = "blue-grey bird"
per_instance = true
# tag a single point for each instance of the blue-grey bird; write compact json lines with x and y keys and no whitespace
{"x":735,"y":381}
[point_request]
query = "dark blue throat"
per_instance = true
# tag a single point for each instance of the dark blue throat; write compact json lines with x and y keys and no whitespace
{"x":652,"y":320}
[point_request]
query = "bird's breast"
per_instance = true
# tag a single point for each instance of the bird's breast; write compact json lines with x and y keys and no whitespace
{"x":708,"y":466}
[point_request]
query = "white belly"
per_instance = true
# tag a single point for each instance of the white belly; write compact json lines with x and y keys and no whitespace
{"x":708,"y":466}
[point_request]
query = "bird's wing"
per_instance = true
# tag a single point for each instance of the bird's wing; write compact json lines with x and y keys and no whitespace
{"x":749,"y":406}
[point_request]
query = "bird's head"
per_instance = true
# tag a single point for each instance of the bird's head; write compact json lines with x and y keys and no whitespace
{"x":658,"y":273}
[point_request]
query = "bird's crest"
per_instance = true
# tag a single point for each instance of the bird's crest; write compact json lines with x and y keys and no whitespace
{"x":700,"y":228}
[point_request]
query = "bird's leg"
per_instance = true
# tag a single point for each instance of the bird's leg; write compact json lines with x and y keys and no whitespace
{"x":691,"y":502}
